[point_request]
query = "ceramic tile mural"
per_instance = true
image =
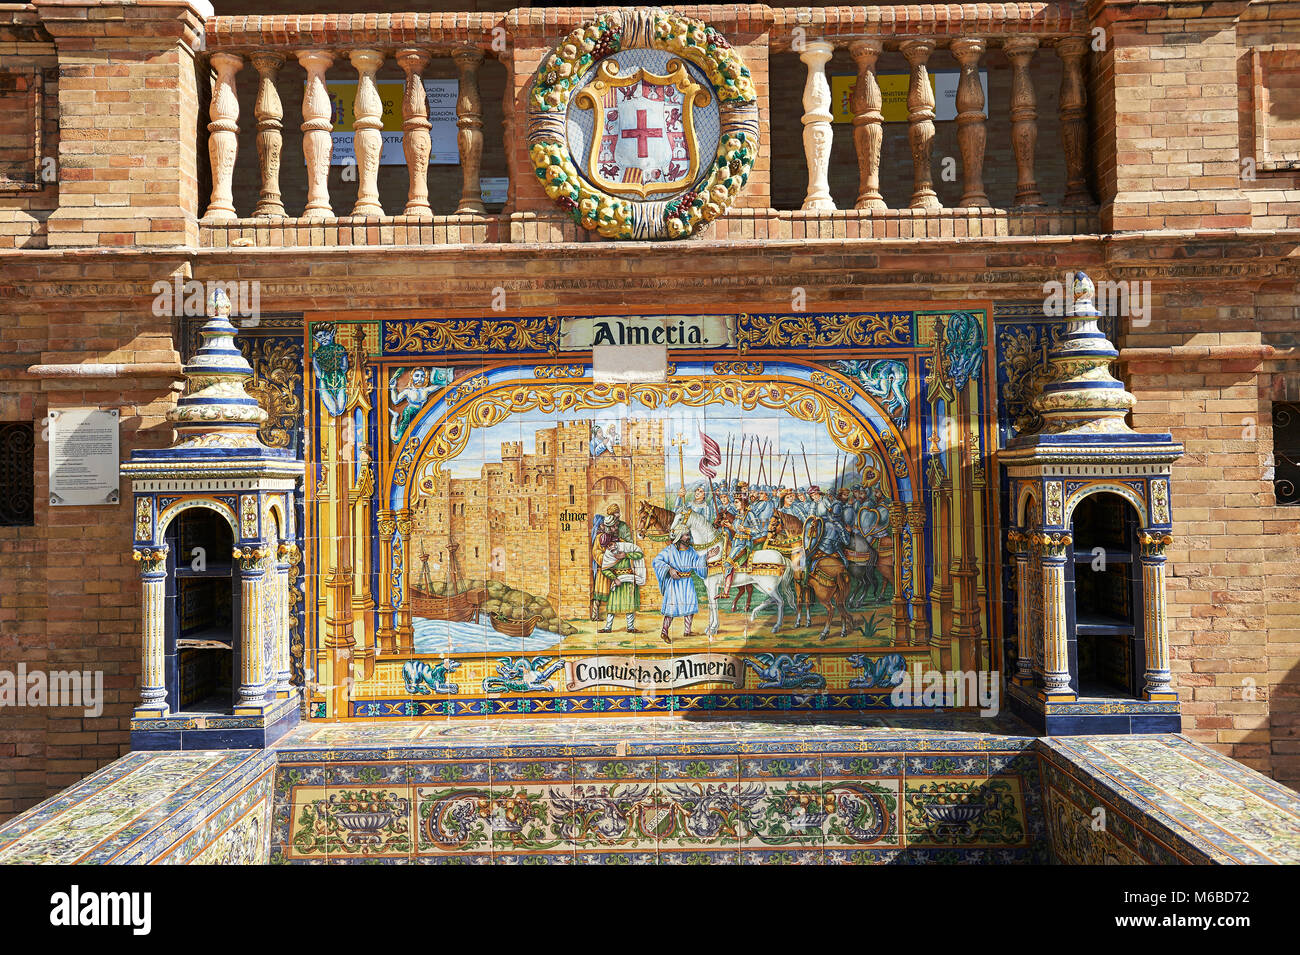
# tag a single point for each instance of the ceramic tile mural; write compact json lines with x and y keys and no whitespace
{"x":898,"y":788}
{"x":1164,"y":799}
{"x":494,"y":526}
{"x":563,"y":792}
{"x":209,"y":807}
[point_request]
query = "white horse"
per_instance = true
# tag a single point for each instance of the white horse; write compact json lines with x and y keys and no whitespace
{"x":707,"y":540}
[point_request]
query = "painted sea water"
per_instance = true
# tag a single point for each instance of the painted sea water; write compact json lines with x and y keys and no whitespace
{"x":448,"y":636}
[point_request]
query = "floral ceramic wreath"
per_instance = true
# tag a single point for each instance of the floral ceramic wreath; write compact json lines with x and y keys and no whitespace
{"x":719,"y":180}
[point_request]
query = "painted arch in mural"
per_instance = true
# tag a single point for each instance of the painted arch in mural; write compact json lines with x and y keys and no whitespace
{"x":853,"y":423}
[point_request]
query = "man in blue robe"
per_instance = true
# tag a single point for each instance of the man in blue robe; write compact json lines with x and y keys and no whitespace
{"x":675,"y":568}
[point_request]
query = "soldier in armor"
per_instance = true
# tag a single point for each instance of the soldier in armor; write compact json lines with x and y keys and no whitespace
{"x":842,"y":509}
{"x":723,"y":502}
{"x":745,"y":534}
{"x":834,"y":537}
{"x":699,"y":503}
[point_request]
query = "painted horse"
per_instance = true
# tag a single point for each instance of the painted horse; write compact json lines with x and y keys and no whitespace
{"x":825,"y":577}
{"x":860,"y":556}
{"x":775,"y":585}
{"x":864,"y":564}
{"x":652,"y":519}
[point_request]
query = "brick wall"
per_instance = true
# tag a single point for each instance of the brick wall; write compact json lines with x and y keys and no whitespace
{"x":70,"y":599}
{"x":27,"y":55}
{"x":1234,"y":626}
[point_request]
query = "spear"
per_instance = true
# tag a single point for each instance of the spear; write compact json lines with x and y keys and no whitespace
{"x":749,"y":471}
{"x":806,"y":470}
{"x":762,"y":450}
{"x":727,"y":479}
{"x":837,"y":470}
{"x":785,"y":461}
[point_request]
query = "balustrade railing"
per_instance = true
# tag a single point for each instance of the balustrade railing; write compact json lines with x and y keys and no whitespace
{"x":363,"y":45}
{"x":961,"y":37}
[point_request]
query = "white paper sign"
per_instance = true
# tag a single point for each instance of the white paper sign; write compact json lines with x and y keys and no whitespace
{"x":494,"y":189}
{"x":441,"y":100}
{"x":83,"y":457}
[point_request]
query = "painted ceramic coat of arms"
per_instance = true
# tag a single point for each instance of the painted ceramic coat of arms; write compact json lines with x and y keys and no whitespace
{"x":643,"y":125}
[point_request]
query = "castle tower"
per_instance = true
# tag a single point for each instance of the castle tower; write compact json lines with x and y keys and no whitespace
{"x":571,"y":572}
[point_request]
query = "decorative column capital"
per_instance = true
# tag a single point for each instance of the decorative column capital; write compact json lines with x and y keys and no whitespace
{"x":1152,"y":546}
{"x":1020,"y":49}
{"x":251,"y":560}
{"x":897,"y":516}
{"x":1072,"y":47}
{"x":1018,"y":542}
{"x":915,"y":516}
{"x":968,"y":50}
{"x":467,"y":57}
{"x":412,"y":59}
{"x":865,"y":52}
{"x":366,"y":61}
{"x":152,"y":560}
{"x":315,"y":60}
{"x":917,"y":51}
{"x":1053,"y":546}
{"x":266,"y":62}
{"x":817,"y":52}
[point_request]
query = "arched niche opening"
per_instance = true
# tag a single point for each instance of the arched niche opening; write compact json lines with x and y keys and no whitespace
{"x":1104,"y":603}
{"x":202,"y":662}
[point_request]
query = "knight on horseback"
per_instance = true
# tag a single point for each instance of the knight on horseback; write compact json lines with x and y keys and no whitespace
{"x":745,"y":534}
{"x":833,"y":536}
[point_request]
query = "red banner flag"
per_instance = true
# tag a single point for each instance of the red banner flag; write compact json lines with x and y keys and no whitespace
{"x":712,"y":457}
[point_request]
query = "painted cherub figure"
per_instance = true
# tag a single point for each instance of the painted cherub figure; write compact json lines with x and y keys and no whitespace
{"x":413,"y":397}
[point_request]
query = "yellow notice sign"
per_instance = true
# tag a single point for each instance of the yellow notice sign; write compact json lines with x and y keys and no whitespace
{"x":893,"y":95}
{"x":440,"y":96}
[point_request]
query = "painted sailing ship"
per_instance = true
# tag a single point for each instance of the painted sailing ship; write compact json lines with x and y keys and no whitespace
{"x":460,"y":606}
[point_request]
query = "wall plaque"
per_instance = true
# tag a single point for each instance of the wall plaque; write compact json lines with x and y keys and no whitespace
{"x":83,"y":457}
{"x":670,"y":331}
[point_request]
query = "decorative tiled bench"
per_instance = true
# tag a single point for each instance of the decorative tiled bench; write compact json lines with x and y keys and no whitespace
{"x":857,"y":790}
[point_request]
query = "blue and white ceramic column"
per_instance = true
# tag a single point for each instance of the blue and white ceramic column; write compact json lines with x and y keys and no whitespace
{"x":1018,"y":544}
{"x":285,"y":554}
{"x":251,"y":565}
{"x":1157,"y":682}
{"x":153,"y":672}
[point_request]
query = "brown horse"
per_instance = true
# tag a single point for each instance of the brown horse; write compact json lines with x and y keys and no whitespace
{"x":830,"y":583}
{"x":791,"y":525}
{"x":652,"y":517}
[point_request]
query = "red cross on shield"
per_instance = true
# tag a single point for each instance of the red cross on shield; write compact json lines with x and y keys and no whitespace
{"x":642,"y":136}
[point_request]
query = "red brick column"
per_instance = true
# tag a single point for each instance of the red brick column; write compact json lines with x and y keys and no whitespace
{"x":128,"y":113}
{"x":1169,"y":155}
